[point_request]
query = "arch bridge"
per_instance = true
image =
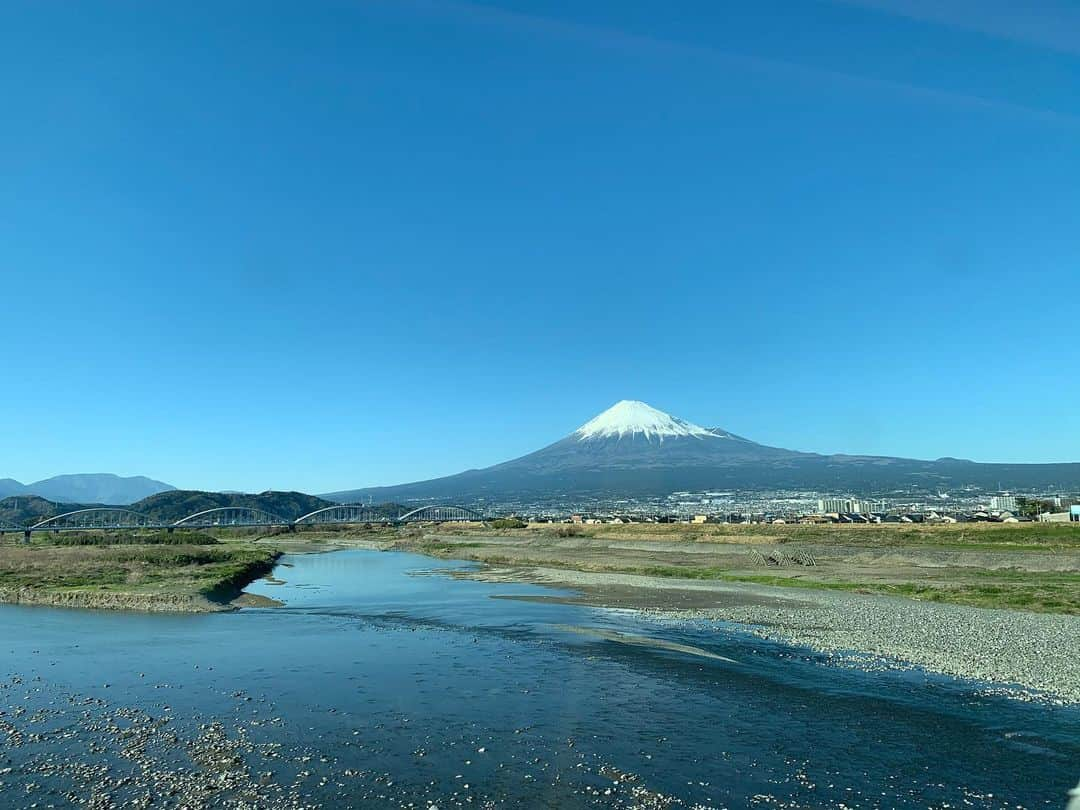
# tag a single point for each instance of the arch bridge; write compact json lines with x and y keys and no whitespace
{"x":343,"y":514}
{"x":112,"y":517}
{"x":441,"y":514}
{"x":106,"y":517}
{"x":230,"y":516}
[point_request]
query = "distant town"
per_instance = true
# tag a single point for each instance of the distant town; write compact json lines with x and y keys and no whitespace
{"x":787,"y":506}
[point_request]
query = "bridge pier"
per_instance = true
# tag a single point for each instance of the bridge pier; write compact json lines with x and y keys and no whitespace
{"x":26,"y":537}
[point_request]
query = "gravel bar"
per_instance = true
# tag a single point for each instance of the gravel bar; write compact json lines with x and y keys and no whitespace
{"x":1038,"y":652}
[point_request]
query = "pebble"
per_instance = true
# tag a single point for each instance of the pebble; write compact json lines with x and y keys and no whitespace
{"x":1037,"y":655}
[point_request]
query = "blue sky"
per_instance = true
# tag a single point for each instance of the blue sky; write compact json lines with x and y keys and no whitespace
{"x":324,"y":245}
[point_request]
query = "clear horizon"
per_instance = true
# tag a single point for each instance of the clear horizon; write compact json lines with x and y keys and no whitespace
{"x":368,"y":243}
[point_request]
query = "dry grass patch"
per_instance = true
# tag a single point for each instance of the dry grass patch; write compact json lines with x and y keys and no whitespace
{"x":188,"y":569}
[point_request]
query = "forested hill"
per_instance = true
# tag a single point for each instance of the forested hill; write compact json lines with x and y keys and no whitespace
{"x":171,"y":506}
{"x":26,"y":510}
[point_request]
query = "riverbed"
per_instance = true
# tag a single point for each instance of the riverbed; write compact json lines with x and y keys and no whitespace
{"x":384,"y":680}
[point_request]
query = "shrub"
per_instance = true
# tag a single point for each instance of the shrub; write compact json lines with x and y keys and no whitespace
{"x":572,"y":530}
{"x":180,"y":537}
{"x":508,"y":523}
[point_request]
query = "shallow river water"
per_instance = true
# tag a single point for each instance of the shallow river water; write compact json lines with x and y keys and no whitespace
{"x":384,"y":681}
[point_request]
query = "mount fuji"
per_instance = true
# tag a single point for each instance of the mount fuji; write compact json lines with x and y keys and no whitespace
{"x":635,"y":450}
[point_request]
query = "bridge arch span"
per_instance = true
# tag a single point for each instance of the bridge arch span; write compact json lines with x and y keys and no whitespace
{"x":98,"y":517}
{"x":441,"y":514}
{"x":343,"y":513}
{"x":230,"y":516}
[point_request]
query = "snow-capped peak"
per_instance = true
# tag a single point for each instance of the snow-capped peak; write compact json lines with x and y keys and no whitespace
{"x":630,"y":417}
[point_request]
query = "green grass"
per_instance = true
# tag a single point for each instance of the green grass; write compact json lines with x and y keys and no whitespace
{"x":1028,"y":536}
{"x":1041,"y":591}
{"x":682,"y":572}
{"x":1046,"y":593}
{"x":178,"y":537}
{"x":961,"y":535}
{"x":212,"y":570}
{"x":438,"y":547}
{"x":508,"y":523}
{"x":963,"y":580}
{"x":1053,"y":592}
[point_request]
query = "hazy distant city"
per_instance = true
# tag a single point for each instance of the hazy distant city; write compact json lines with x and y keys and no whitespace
{"x":769,"y":506}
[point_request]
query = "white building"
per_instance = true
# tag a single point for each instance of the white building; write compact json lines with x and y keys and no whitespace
{"x":850,"y":506}
{"x":1003,"y":503}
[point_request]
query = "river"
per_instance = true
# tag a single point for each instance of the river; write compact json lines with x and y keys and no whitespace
{"x":384,"y":681}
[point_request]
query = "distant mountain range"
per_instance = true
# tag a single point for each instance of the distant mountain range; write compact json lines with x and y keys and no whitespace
{"x":87,"y":488}
{"x":633,"y":449}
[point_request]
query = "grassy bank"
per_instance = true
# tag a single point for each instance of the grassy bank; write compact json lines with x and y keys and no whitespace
{"x":1034,"y":567}
{"x":1037,"y":591}
{"x":183,"y":571}
{"x":986,"y":536}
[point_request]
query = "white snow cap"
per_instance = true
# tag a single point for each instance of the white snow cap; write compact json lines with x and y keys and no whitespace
{"x":630,"y":417}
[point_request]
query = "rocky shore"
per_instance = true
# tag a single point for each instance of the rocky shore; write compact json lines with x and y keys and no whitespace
{"x":1036,"y":651}
{"x":1037,"y":655}
{"x":60,"y":748}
